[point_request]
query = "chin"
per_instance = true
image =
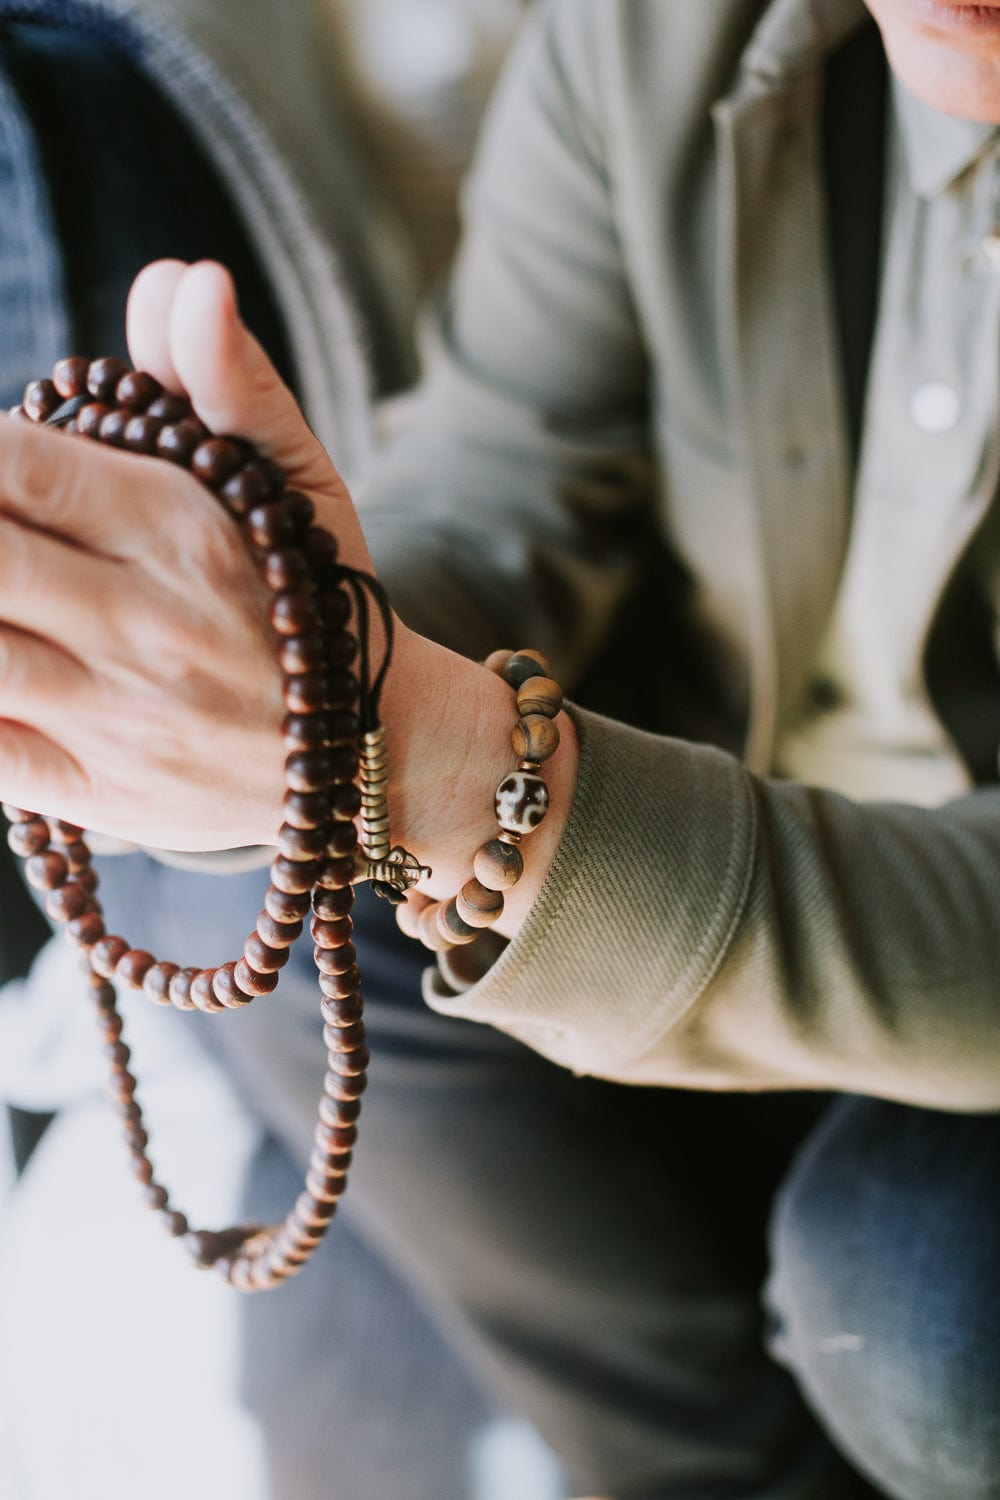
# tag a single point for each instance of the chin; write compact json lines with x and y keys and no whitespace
{"x":946,"y":52}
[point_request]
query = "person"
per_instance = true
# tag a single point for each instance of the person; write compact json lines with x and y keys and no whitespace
{"x":673,"y":247}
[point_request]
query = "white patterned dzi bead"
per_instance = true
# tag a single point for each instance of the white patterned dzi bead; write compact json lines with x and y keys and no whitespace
{"x":521,"y":802}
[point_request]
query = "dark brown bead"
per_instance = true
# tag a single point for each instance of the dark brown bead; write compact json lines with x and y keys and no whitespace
{"x":343,"y":839}
{"x":127,"y":1109}
{"x":539,"y":695}
{"x":306,"y":809}
{"x":140,"y":434}
{"x":294,"y":876}
{"x":451,"y":926}
{"x":70,"y":376}
{"x":341,"y":986}
{"x":286,"y":906}
{"x":117,"y":1054}
{"x":309,"y":1211}
{"x":66,"y":901}
{"x":203,"y":994}
{"x":178,"y":440}
{"x":142,"y":1168}
{"x":155,"y":1196}
{"x":112,"y":429}
{"x":301,"y":511}
{"x":109,"y":1025}
{"x":269,"y":525}
{"x":344,"y":1038}
{"x":343,"y":759}
{"x":350,"y":1064}
{"x":335,"y":608}
{"x":320,"y":546}
{"x":292,"y":612}
{"x":525,"y":664}
{"x":343,"y":1111}
{"x":78,"y":857}
{"x":133,"y":967}
{"x":175,"y":1224}
{"x":156,"y":984}
{"x":227,"y":991}
{"x":320,"y":1188}
{"x":87,"y":878}
{"x":341,"y":647}
{"x":307,"y":770}
{"x":136,"y":1137}
{"x":331,"y":905}
{"x":306,"y":732}
{"x":180,"y":989}
{"x":137,"y":391}
{"x":307,"y":692}
{"x":40,"y":400}
{"x":26,"y":839}
{"x":344,"y":1088}
{"x":169,"y":408}
{"x":345,"y":801}
{"x":339,"y":960}
{"x":285,"y":569}
{"x":334,"y":874}
{"x":87,"y":930}
{"x":342,"y":1010}
{"x":246,"y":488}
{"x":330,"y":934}
{"x":17,"y":814}
{"x":478,"y":905}
{"x":47,"y":870}
{"x":216,"y":459}
{"x":278,"y":934}
{"x":251,"y":982}
{"x":106,"y":955}
{"x":90,"y":417}
{"x":123,"y":1086}
{"x":261,"y":957}
{"x":497,"y":865}
{"x":102,"y":993}
{"x":301,"y":843}
{"x":103,"y":376}
{"x":344,"y":731}
{"x":302,"y":653}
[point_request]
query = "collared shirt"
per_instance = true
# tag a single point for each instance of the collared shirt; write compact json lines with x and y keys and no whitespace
{"x":927,"y":471}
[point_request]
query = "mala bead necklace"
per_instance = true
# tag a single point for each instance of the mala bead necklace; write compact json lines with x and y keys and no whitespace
{"x":335,"y":770}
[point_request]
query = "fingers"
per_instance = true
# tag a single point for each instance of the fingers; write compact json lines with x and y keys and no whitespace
{"x":147,"y":320}
{"x":185,"y":328}
{"x":112,"y":503}
{"x":35,"y":772}
{"x":53,"y":591}
{"x":39,"y":684}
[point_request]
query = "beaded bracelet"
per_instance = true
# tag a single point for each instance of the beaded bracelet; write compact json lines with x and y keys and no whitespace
{"x":335,"y":770}
{"x":520,"y":804}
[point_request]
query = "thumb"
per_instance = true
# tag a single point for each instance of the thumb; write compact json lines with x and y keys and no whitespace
{"x":184,"y":326}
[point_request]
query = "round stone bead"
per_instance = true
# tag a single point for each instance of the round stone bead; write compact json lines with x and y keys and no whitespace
{"x":521,"y":802}
{"x":451,"y":926}
{"x":477,"y":905}
{"x":524,"y":664}
{"x":499,"y":866}
{"x":535,"y":738}
{"x":539,"y":695}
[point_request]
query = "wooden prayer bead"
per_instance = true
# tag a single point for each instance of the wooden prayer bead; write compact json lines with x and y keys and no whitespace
{"x":40,"y":400}
{"x":133,"y":967}
{"x":332,"y":904}
{"x":292,"y":612}
{"x":168,"y":408}
{"x":302,"y":653}
{"x":335,"y":874}
{"x":85,"y":931}
{"x":89,"y":419}
{"x":285,"y":568}
{"x":346,"y":1011}
{"x":342,"y":839}
{"x":203,"y":995}
{"x":251,"y":982}
{"x":278,"y":934}
{"x":499,"y":866}
{"x":103,"y":376}
{"x":306,"y":809}
{"x":451,"y":926}
{"x":330,"y":934}
{"x":215,"y":460}
{"x":477,"y":905}
{"x":286,"y":906}
{"x":227,"y":991}
{"x":178,"y":440}
{"x":338,"y":961}
{"x":247,"y":488}
{"x":106,"y":955}
{"x":112,"y":431}
{"x":141,"y":434}
{"x":46,"y":871}
{"x":261,"y":957}
{"x":269,"y":525}
{"x":539,"y":695}
{"x":294,"y":876}
{"x":31,"y":837}
{"x":351,"y":1064}
{"x":301,"y":843}
{"x":339,"y":986}
{"x":301,"y":511}
{"x":156,"y":984}
{"x":179,"y":988}
{"x":70,"y":376}
{"x":137,"y":391}
{"x":535,"y":738}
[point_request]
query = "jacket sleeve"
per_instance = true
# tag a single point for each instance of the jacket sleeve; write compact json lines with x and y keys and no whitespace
{"x":700,"y":926}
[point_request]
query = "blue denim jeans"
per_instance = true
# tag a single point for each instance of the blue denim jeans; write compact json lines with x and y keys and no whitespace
{"x":595,"y":1252}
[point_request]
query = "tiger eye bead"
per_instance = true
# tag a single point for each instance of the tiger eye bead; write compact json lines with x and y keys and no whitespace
{"x":133,"y":967}
{"x":539,"y":695}
{"x":137,"y":391}
{"x":535,"y":738}
{"x":40,"y":400}
{"x":70,"y":376}
{"x":103,"y":376}
{"x":156,"y":983}
{"x":522,"y":665}
{"x":215,"y":460}
{"x":498,"y":866}
{"x":477,"y":905}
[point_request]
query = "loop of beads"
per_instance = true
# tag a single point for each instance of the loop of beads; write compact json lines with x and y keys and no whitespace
{"x":312,"y":873}
{"x":520,"y":803}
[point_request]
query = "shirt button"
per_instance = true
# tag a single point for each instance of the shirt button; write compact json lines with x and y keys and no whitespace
{"x":935,"y":407}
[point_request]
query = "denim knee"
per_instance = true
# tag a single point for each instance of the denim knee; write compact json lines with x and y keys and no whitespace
{"x":885,"y":1294}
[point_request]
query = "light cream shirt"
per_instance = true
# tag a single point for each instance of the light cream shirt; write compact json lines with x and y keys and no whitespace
{"x":865,"y":725}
